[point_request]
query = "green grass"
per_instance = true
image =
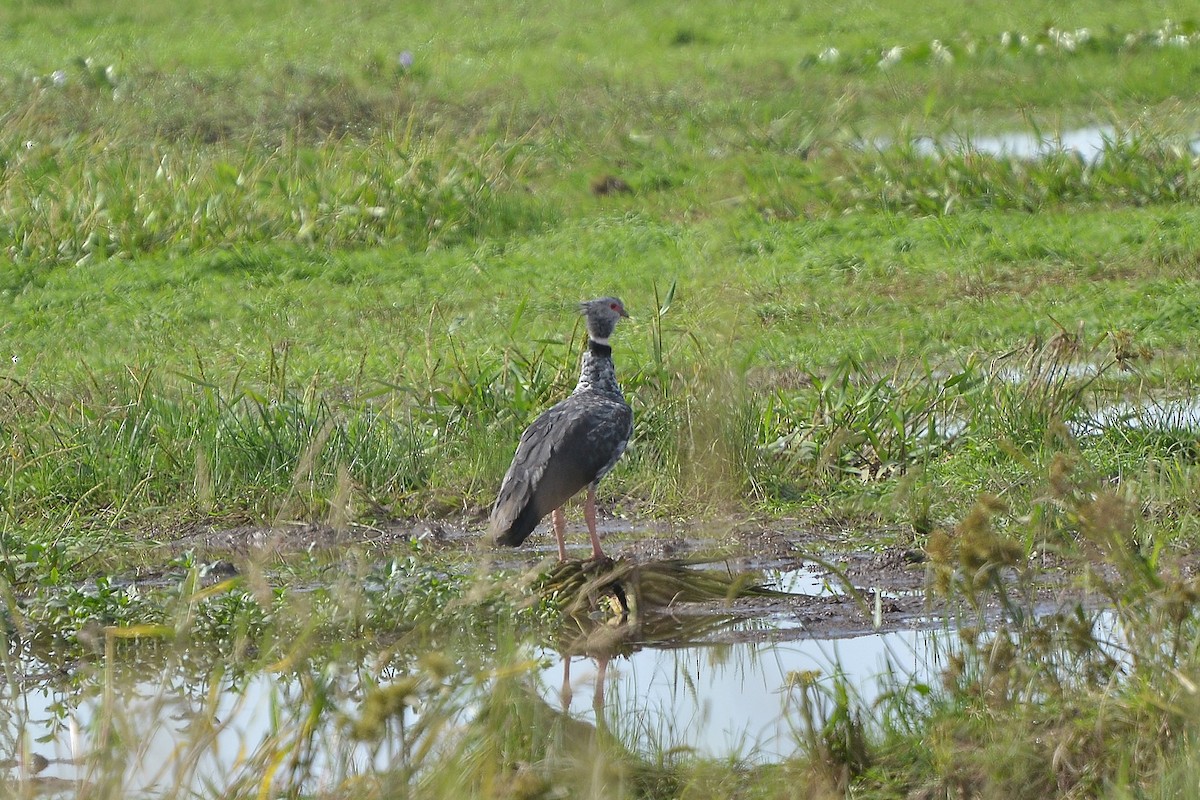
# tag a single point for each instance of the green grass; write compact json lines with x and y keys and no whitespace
{"x":414,"y":371}
{"x":543,"y":54}
{"x":256,"y":269}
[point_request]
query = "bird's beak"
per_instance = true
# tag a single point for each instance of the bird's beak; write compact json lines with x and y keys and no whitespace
{"x":625,"y":314}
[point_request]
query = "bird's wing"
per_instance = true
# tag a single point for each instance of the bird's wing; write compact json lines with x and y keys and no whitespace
{"x":566,"y":448}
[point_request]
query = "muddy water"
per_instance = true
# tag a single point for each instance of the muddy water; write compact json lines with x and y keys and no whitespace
{"x":170,"y":730}
{"x":191,"y":733}
{"x":736,"y":700}
{"x":164,"y":735}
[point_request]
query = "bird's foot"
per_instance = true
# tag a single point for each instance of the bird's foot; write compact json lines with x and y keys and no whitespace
{"x":600,"y":559}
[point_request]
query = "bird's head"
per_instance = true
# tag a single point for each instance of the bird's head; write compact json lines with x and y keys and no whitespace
{"x":602,"y":315}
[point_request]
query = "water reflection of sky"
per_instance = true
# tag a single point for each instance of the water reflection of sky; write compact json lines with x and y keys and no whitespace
{"x":182,"y":734}
{"x":734,"y":699}
{"x":174,"y":734}
{"x":186,"y":733}
{"x":1164,"y":415}
{"x":1088,"y":143}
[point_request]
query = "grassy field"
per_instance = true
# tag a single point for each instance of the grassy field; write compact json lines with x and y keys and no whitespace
{"x":270,"y":262}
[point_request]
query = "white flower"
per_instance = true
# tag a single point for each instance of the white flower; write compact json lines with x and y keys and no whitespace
{"x":940,"y":53}
{"x":1064,"y":40}
{"x":1006,"y":39}
{"x":829,"y":55}
{"x":891,"y":57}
{"x":59,"y":77}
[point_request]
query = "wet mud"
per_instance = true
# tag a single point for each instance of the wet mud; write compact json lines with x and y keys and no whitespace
{"x":716,"y":676}
{"x":829,"y":585}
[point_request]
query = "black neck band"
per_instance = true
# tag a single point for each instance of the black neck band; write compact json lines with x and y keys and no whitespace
{"x":597,"y":349}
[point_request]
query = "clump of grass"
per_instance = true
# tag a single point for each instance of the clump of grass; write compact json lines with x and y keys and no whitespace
{"x":1026,"y":401}
{"x":833,"y":727}
{"x":1091,"y":677}
{"x":852,"y":425}
{"x":1142,"y":170}
{"x":76,"y":199}
{"x":975,"y":553}
{"x":149,"y":443}
{"x":694,"y":419}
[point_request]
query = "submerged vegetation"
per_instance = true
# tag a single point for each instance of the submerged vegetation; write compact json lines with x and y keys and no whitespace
{"x":406,"y":676}
{"x":290,"y":268}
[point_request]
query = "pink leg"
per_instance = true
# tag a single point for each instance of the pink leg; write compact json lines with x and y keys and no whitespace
{"x":598,"y":693}
{"x":560,"y":532}
{"x":589,"y":513}
{"x":565,"y":694}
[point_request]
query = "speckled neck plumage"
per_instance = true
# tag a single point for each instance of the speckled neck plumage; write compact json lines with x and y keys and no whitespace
{"x":596,"y":373}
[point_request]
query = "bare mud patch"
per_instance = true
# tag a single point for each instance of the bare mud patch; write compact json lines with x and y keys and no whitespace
{"x":830,"y":586}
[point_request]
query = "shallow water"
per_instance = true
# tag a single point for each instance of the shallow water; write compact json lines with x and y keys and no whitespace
{"x":1165,"y":415}
{"x":183,"y":731}
{"x":1087,"y":143}
{"x":728,"y":690}
{"x":808,"y":579}
{"x":737,"y":700}
{"x":178,"y":725}
{"x":196,"y":732}
{"x":178,"y":733}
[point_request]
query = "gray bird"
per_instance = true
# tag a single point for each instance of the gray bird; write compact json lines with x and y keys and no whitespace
{"x":571,"y":445}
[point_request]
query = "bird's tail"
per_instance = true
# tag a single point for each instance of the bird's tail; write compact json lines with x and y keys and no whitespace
{"x":520,"y":528}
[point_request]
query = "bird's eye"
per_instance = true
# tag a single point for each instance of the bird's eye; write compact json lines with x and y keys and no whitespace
{"x":613,"y":306}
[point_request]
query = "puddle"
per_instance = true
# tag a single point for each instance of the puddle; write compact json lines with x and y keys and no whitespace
{"x":813,"y":580}
{"x":1088,"y":143}
{"x":716,"y":682}
{"x":736,"y":700}
{"x":177,"y":734}
{"x":1169,"y":415}
{"x":194,"y":733}
{"x":173,"y":731}
{"x":809,"y":579}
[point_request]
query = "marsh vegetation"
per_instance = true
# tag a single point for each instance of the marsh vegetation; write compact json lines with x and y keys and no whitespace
{"x":283,"y":285}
